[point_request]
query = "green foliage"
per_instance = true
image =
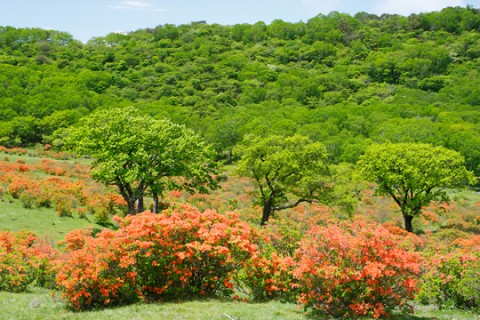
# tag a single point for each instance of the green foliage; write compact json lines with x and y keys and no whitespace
{"x":413,"y":174}
{"x":339,"y":79}
{"x":27,"y":200}
{"x":102,"y":217}
{"x":281,"y":167}
{"x":345,"y":192}
{"x":454,"y":282}
{"x":140,"y":154}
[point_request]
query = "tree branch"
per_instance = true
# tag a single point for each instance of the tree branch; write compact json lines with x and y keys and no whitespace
{"x":293,"y":205}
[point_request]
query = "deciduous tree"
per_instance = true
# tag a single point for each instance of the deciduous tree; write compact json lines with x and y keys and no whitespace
{"x":139,"y":154}
{"x":284,"y":168}
{"x":413,"y":174}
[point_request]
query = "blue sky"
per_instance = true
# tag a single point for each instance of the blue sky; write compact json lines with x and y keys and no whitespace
{"x":85,"y":19}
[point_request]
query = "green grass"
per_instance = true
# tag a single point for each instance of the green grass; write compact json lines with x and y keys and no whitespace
{"x":15,"y":157}
{"x":43,"y":221}
{"x":38,"y":304}
{"x":432,"y":313}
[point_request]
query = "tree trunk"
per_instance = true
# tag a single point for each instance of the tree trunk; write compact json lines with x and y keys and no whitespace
{"x":408,"y":222}
{"x":267,"y":211}
{"x":155,"y":202}
{"x":131,"y":206}
{"x":130,"y":196}
{"x":140,"y":204}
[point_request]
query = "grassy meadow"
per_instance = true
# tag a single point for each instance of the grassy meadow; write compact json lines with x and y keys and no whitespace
{"x":461,"y":217}
{"x":42,"y":221}
{"x":39,"y":304}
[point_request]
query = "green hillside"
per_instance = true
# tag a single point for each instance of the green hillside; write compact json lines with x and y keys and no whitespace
{"x":346,"y":81}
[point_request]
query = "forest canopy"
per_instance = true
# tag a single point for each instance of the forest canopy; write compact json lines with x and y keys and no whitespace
{"x":345,"y":81}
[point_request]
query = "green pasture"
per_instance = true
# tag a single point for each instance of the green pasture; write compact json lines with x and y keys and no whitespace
{"x":43,"y":221}
{"x":43,"y":304}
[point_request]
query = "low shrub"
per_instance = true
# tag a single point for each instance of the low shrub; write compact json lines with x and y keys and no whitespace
{"x":269,"y":277}
{"x":453,"y":282}
{"x":27,"y":199}
{"x":349,"y":270}
{"x":24,"y":258}
{"x":182,"y":253}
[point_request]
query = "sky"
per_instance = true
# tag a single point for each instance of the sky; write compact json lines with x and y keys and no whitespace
{"x":85,"y":19}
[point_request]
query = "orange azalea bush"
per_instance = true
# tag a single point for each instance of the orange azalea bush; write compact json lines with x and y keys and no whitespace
{"x":182,"y":253}
{"x":19,"y":151}
{"x":348,"y":270}
{"x":269,"y":277}
{"x":96,"y":271}
{"x":62,"y":186}
{"x":24,"y":258}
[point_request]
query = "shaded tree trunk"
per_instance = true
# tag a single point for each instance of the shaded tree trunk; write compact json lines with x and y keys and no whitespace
{"x":269,"y":209}
{"x":127,"y":194}
{"x":140,"y":204}
{"x":267,"y":212}
{"x":408,"y":222}
{"x":133,"y":196}
{"x":155,"y":202}
{"x":229,"y":156}
{"x":131,"y":206}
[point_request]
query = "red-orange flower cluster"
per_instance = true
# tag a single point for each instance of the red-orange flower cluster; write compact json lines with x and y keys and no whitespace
{"x":355,"y":269}
{"x":182,"y":253}
{"x":24,"y":258}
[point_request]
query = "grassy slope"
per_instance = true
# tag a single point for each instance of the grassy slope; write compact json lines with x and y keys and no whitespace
{"x":39,"y":305}
{"x":44,"y":222}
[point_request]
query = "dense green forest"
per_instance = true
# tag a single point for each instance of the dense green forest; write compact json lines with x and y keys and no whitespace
{"x":346,"y":81}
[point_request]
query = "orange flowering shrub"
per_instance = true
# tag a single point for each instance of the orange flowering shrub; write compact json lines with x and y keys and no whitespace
{"x":17,"y":185}
{"x":19,"y":151}
{"x":349,"y":270}
{"x":269,"y":277}
{"x":62,"y":186}
{"x":97,"y":271}
{"x":104,"y":204}
{"x":24,"y":258}
{"x":179,"y":254}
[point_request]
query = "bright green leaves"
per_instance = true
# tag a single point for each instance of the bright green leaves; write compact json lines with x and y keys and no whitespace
{"x":283,"y":167}
{"x":140,"y":154}
{"x":413,"y":174}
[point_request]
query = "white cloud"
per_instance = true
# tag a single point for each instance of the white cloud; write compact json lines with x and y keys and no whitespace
{"x":407,"y":7}
{"x":136,"y":5}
